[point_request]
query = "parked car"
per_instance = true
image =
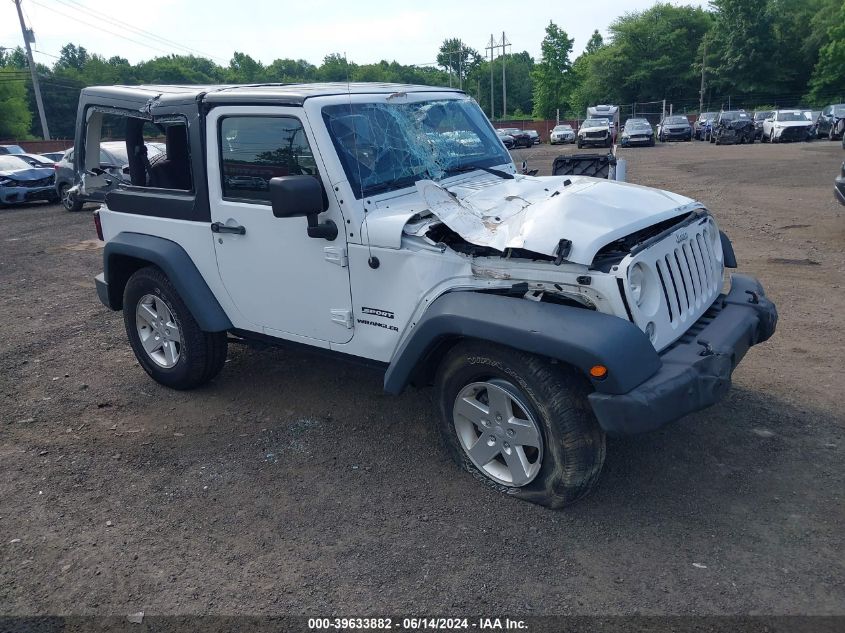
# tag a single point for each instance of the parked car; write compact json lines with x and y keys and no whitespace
{"x":53,"y":156}
{"x":546,"y":312}
{"x":507,"y":139}
{"x":839,"y":183}
{"x":637,"y":132}
{"x":535,"y":136}
{"x":674,"y":128}
{"x":562,"y":133}
{"x":698,"y":130}
{"x":830,"y":122}
{"x":521,"y":138}
{"x":12,"y":149}
{"x":21,"y":182}
{"x":595,"y":132}
{"x":113,"y":163}
{"x":760,"y":116}
{"x":732,"y":127}
{"x":36,"y":160}
{"x":786,"y":125}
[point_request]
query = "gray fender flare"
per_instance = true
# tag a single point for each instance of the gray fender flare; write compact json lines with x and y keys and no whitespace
{"x":580,"y":337}
{"x":122,"y":255}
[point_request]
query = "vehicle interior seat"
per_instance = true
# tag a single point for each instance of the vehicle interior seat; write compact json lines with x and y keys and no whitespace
{"x":174,"y":170}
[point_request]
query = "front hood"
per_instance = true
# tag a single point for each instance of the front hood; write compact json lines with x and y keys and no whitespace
{"x":737,"y":124}
{"x":600,"y":128}
{"x":530,"y":213}
{"x":783,"y":124}
{"x":35,"y":173}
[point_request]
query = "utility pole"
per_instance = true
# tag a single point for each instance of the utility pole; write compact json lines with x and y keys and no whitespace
{"x":29,"y":36}
{"x":504,"y":78}
{"x":461,"y":64}
{"x":703,"y":64}
{"x":491,"y":48}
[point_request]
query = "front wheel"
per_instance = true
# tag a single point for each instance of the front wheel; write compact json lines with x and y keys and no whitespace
{"x":519,"y":423}
{"x":166,"y":339}
{"x":69,"y":201}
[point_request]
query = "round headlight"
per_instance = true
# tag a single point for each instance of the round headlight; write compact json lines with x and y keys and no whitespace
{"x":636,"y":280}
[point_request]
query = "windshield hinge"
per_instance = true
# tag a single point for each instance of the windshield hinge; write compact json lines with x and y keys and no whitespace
{"x":337,"y":256}
{"x":342,"y":316}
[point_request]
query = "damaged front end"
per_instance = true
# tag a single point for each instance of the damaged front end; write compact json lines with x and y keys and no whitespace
{"x":734,"y":132}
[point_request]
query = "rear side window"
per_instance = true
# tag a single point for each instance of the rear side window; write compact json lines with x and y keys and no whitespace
{"x":137,"y":151}
{"x":254,"y":149}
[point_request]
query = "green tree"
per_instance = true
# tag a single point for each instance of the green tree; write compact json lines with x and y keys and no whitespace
{"x":743,"y":41}
{"x":243,"y":69}
{"x":552,"y":75}
{"x":595,"y":42}
{"x":335,"y":67}
{"x":16,"y":116}
{"x":828,"y":80}
{"x":72,"y":56}
{"x":652,"y":55}
{"x":457,"y":58}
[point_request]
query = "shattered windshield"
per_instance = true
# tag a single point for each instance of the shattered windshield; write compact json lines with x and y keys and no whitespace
{"x":595,"y":123}
{"x":791,"y":116}
{"x":387,"y":146}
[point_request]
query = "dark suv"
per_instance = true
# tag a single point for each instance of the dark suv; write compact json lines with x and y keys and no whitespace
{"x":759,"y":117}
{"x":830,"y":122}
{"x":733,"y":127}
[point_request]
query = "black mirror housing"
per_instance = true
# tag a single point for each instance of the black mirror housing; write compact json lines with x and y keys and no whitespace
{"x":296,"y":196}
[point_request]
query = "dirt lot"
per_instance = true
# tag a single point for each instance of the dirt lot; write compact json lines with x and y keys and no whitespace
{"x":292,"y":484}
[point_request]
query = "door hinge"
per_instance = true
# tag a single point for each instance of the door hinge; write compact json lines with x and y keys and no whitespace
{"x":335,"y":255}
{"x":344,"y":317}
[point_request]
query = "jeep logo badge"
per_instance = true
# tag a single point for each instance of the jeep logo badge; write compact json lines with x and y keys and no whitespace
{"x":681,"y":237}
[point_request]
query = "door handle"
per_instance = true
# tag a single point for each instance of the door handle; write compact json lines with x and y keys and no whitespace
{"x":219,"y":227}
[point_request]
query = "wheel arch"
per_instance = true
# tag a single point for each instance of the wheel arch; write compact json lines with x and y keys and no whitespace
{"x":129,"y":252}
{"x":575,"y":336}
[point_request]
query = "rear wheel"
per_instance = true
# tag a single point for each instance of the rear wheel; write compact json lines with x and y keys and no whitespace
{"x":519,"y":423}
{"x":166,"y":339}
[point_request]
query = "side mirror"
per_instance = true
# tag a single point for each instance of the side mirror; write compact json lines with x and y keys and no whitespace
{"x":301,"y":196}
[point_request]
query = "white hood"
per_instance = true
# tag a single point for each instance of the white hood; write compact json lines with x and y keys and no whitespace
{"x":531,"y":213}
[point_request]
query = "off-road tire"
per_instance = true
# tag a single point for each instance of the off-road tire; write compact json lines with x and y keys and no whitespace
{"x":202,"y":354}
{"x":573,"y":441}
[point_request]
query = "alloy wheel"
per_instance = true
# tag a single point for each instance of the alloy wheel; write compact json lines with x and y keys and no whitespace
{"x":498,"y":432}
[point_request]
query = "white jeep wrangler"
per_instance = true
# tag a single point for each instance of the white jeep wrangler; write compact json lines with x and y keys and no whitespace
{"x":387,"y":223}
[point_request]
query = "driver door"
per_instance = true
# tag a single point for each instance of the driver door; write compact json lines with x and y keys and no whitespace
{"x":283,"y":282}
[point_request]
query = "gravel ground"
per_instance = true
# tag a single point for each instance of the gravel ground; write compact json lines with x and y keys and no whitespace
{"x":293,"y":484}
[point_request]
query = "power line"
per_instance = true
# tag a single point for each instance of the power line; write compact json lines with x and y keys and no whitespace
{"x":73,"y":5}
{"x":101,"y":28}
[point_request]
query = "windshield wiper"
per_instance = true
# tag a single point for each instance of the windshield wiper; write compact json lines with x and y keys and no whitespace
{"x":460,"y":169}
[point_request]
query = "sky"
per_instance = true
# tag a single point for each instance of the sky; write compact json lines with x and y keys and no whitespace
{"x":367,"y":31}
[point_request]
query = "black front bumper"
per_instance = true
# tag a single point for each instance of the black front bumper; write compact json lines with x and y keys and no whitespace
{"x":696,"y":370}
{"x":839,"y":186}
